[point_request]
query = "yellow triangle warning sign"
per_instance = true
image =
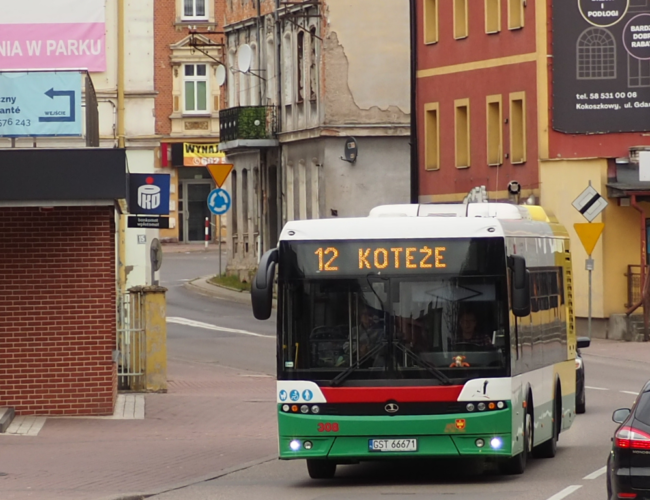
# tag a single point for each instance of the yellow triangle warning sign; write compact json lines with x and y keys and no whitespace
{"x":589,"y":233}
{"x":219,"y":173}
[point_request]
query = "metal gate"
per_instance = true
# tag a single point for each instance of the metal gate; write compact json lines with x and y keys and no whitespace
{"x":130,"y":342}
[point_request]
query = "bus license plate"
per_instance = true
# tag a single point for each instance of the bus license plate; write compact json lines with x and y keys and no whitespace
{"x":393,"y":444}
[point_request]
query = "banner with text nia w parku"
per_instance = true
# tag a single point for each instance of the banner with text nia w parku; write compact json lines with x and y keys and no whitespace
{"x":53,"y":34}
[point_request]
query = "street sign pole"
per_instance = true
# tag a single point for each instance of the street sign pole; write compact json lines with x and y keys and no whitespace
{"x":589,"y":264}
{"x":219,"y":173}
{"x":589,"y":234}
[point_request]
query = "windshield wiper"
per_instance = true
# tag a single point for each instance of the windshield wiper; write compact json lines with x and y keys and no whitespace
{"x":340,"y":378}
{"x":424,"y":363}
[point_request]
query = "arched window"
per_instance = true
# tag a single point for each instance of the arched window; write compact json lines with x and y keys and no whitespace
{"x":287,"y":69}
{"x":233,"y":92}
{"x":596,"y":54}
{"x":244,"y":201}
{"x":271,"y":77}
{"x":254,"y":82}
{"x":234,"y":212}
{"x":312,"y":64}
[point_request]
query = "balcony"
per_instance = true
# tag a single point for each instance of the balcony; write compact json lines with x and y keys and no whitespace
{"x":247,"y":127}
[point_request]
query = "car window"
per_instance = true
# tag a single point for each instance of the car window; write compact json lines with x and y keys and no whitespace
{"x":642,"y":412}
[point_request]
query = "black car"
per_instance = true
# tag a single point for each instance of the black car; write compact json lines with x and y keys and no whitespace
{"x":628,"y":465}
{"x":581,"y":397}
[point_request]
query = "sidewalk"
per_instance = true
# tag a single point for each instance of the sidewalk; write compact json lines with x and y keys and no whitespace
{"x":618,"y":349}
{"x":212,"y":420}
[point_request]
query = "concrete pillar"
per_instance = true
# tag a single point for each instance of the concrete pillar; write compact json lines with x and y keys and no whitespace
{"x":154,"y":311}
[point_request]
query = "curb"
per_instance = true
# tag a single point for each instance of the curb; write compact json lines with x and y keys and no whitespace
{"x":6,"y":417}
{"x":202,"y":286}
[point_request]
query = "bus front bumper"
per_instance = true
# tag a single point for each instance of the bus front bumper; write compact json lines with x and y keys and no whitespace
{"x":430,"y":436}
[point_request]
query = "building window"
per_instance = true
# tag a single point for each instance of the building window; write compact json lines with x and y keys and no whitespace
{"x":254,"y":82}
{"x":518,"y":127}
{"x":596,"y":53}
{"x":432,"y":137}
{"x":460,"y":19}
{"x":462,"y":133}
{"x":194,"y":9}
{"x":515,"y":14}
{"x":430,"y":21}
{"x":234,"y":213}
{"x":492,"y":16}
{"x":312,"y":64}
{"x":244,"y":206}
{"x":232,"y":83}
{"x":494,"y":131}
{"x":300,"y":66}
{"x":196,"y":88}
{"x":287,"y":60}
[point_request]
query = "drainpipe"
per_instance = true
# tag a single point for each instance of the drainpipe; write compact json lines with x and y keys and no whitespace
{"x":121,"y":242}
{"x":278,"y":117}
{"x":415,"y":171}
{"x":261,"y":45}
{"x":120,"y":74}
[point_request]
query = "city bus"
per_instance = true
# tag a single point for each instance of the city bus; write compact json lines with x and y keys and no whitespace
{"x":375,"y":357}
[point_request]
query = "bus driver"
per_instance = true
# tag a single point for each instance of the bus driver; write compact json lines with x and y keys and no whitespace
{"x":467,"y":332}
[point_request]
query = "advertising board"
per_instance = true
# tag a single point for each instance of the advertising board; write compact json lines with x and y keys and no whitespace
{"x":601,"y":66}
{"x":40,"y":104}
{"x":53,"y":34}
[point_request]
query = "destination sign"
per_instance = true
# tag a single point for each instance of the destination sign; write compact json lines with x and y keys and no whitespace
{"x":347,"y":258}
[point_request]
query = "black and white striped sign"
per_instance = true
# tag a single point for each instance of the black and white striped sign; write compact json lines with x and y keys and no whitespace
{"x":590,"y":203}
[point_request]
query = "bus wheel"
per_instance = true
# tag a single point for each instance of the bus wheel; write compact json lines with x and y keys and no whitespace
{"x":517,"y":464}
{"x":548,"y":448}
{"x":321,"y":469}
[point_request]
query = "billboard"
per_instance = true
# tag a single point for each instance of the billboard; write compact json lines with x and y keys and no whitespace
{"x":40,"y":104}
{"x":53,"y":34}
{"x":200,"y":155}
{"x":601,"y":66}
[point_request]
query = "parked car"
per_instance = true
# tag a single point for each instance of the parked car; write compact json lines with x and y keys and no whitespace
{"x":628,"y":464}
{"x":581,"y":396}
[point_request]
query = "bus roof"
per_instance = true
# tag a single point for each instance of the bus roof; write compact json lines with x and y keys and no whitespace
{"x":470,"y":220}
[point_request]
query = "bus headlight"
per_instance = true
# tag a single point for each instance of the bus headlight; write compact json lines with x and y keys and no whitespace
{"x":470,"y":407}
{"x":479,"y":443}
{"x":496,"y":443}
{"x":295,"y":445}
{"x":481,"y":406}
{"x":308,"y":445}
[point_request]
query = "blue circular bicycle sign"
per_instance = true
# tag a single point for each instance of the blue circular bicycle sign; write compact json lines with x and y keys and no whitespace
{"x":219,"y":201}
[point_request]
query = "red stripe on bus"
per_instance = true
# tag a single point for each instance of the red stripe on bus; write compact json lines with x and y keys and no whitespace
{"x":383,"y":394}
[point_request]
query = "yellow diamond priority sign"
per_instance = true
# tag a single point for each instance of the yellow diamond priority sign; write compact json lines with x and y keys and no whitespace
{"x":589,"y":234}
{"x":219,"y":173}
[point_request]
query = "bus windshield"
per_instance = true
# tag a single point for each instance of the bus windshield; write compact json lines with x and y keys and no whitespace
{"x":394,"y":326}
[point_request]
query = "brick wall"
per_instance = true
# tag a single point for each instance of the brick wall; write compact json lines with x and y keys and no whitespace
{"x":166,"y":33}
{"x":57,"y":310}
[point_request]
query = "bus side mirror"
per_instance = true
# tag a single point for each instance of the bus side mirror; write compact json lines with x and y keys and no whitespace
{"x":262,"y":289}
{"x":520,"y":286}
